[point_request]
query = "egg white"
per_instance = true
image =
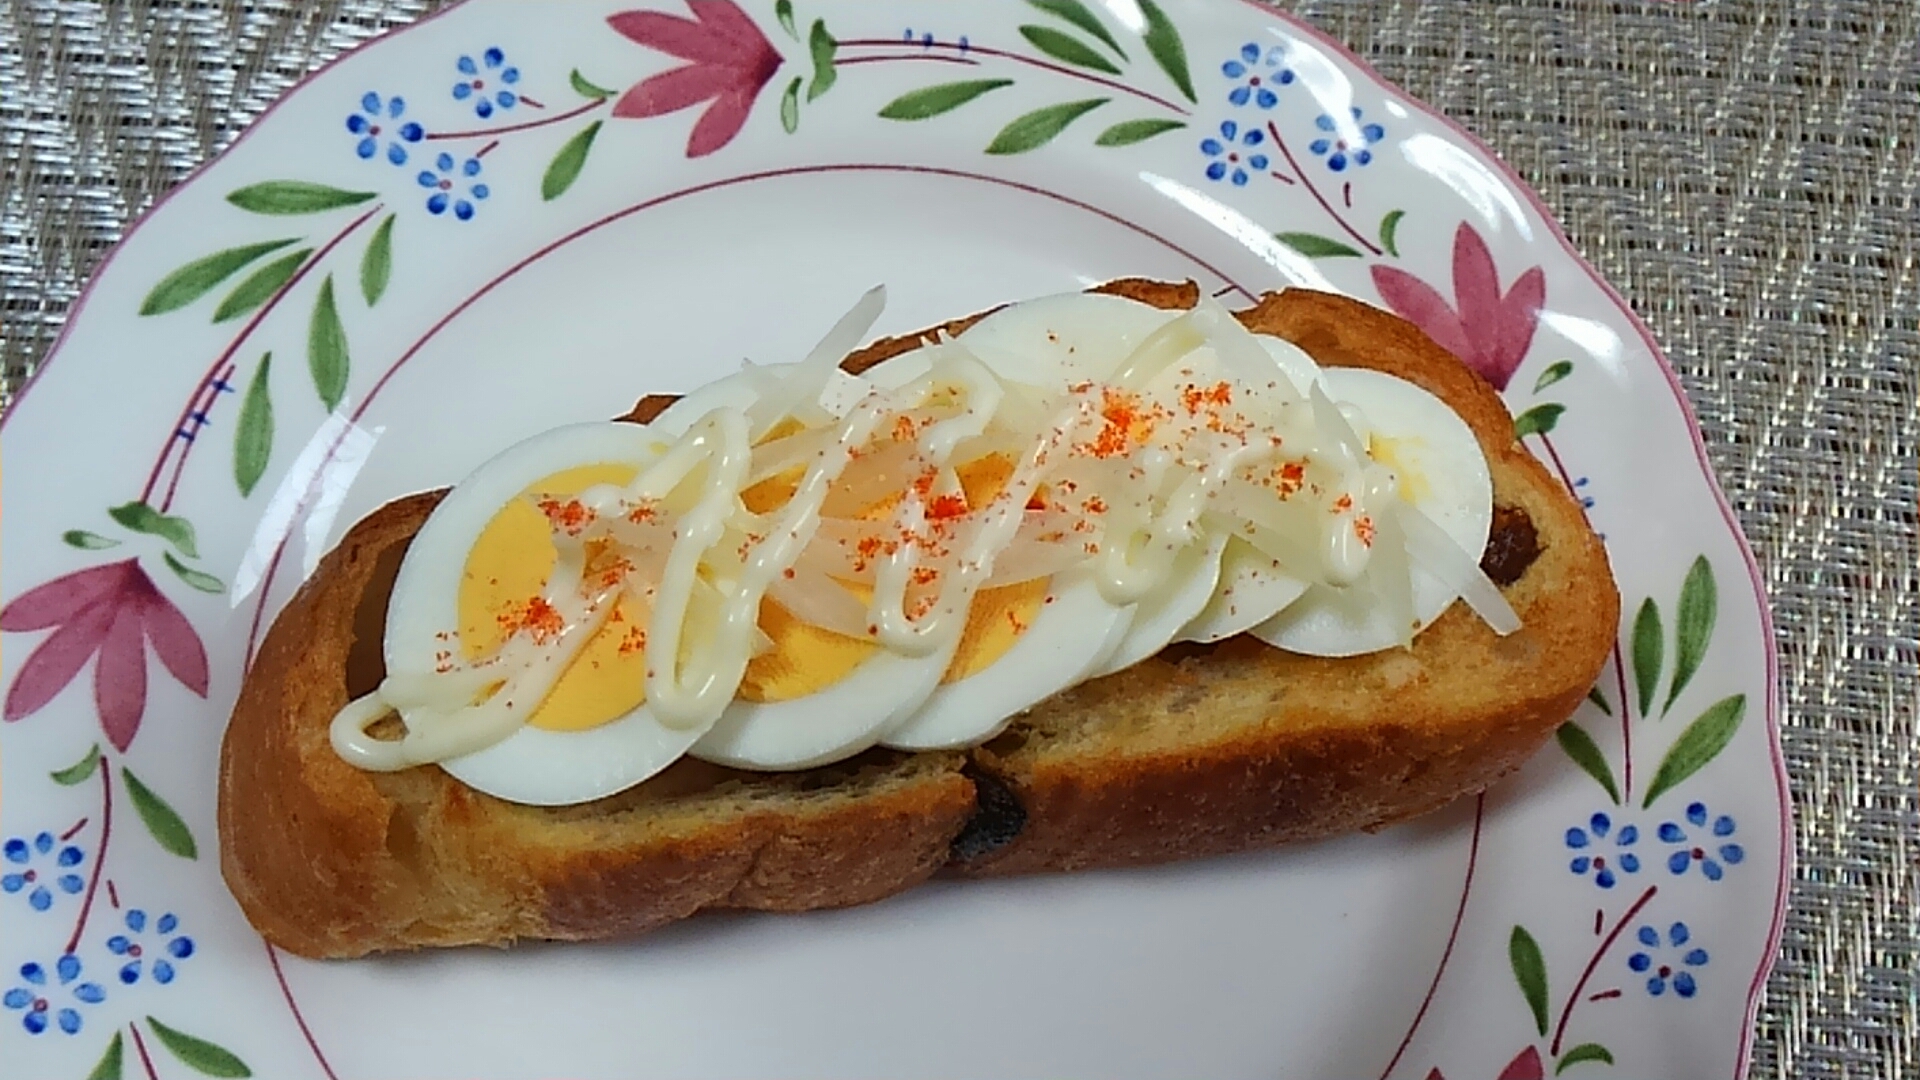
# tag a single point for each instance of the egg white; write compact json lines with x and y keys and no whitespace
{"x":533,"y":765}
{"x":1072,"y":632}
{"x":1055,"y":341}
{"x":1449,"y":483}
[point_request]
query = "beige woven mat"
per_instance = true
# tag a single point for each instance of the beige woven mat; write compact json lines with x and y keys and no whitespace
{"x":1745,"y":172}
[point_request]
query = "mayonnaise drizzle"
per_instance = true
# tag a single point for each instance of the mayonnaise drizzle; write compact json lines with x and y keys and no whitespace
{"x":701,"y":564}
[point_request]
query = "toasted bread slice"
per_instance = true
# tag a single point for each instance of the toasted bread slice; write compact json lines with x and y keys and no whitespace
{"x":1198,"y":751}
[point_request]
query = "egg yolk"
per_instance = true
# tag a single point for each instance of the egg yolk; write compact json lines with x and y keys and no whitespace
{"x":511,"y":561}
{"x":1000,"y":615}
{"x":805,"y":659}
{"x":500,"y":590}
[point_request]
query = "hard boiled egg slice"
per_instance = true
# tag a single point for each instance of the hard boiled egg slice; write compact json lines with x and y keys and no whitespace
{"x":1165,"y":614}
{"x":1219,"y":586}
{"x":1023,"y":644}
{"x":1054,"y":341}
{"x":816,"y":697}
{"x":1251,"y":588}
{"x":484,"y":548}
{"x":1441,"y":471}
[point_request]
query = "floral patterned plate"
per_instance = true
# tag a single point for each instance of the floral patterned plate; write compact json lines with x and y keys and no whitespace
{"x":520,"y":214}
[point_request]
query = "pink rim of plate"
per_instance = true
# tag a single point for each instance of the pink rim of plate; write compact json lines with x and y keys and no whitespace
{"x":1514,"y":181}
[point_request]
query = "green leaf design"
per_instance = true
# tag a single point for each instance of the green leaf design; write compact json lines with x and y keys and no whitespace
{"x":1389,"y":230}
{"x":1066,"y":48}
{"x":1076,"y":13}
{"x":1128,"y":132}
{"x":260,"y":285}
{"x":1586,"y":753}
{"x":1556,"y":371}
{"x":197,"y":278}
{"x":1038,"y":128}
{"x":206,"y":583}
{"x":933,"y":100}
{"x":1163,"y":41}
{"x":1530,"y":971}
{"x":87,"y":541}
{"x":1599,"y":701}
{"x":1583,"y":1052}
{"x":566,"y":165}
{"x":160,"y":819}
{"x":110,"y":1062}
{"x":1315,"y":246}
{"x":79,"y":770}
{"x":142,"y":518}
{"x":253,"y":442}
{"x":1538,"y":420}
{"x":283,"y":197}
{"x":783,"y":11}
{"x":1693,"y":627}
{"x":198,"y":1053}
{"x":585,"y":88}
{"x":376,"y":266}
{"x":327,"y":348}
{"x":1700,"y":743}
{"x":822,"y":46}
{"x":1649,"y":651}
{"x":790,"y":106}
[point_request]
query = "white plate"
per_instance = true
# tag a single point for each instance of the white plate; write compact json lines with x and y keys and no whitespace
{"x":604,"y":253}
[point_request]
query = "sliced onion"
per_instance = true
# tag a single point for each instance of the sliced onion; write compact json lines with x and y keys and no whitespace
{"x":872,"y":479}
{"x":804,"y":382}
{"x":819,"y":600}
{"x":1432,"y":548}
{"x":770,"y":459}
{"x":1244,"y":357}
{"x":1390,"y":572}
{"x":1029,"y":560}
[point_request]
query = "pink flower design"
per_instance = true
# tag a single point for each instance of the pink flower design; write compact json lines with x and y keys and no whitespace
{"x":1487,"y":329}
{"x":110,"y":613}
{"x":1525,"y":1066}
{"x":729,"y":61}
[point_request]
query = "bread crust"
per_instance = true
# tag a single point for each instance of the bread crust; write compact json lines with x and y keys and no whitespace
{"x":329,"y":861}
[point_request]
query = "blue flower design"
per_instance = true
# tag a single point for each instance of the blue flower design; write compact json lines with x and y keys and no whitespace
{"x":1351,"y":146}
{"x":479,"y":84}
{"x":1256,"y":87}
{"x":1584,"y":840}
{"x":444,"y":177}
{"x":378,"y":118}
{"x":37,"y":1001}
{"x":44,"y":871}
{"x":1702,"y":843}
{"x":168,"y":948}
{"x":1664,"y":970}
{"x":1228,"y":162}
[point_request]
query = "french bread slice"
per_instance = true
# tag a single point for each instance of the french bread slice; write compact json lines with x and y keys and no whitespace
{"x":1200,"y":750}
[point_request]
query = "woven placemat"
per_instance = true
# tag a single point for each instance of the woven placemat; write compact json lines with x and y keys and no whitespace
{"x":1744,"y":172}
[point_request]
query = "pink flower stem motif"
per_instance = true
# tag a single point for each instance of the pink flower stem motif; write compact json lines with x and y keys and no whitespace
{"x":224,"y":362}
{"x":1606,"y":945}
{"x":512,"y":129}
{"x":140,"y":1047}
{"x":1030,"y":61}
{"x":1453,"y":937}
{"x":1306,"y":180}
{"x":99,"y":857}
